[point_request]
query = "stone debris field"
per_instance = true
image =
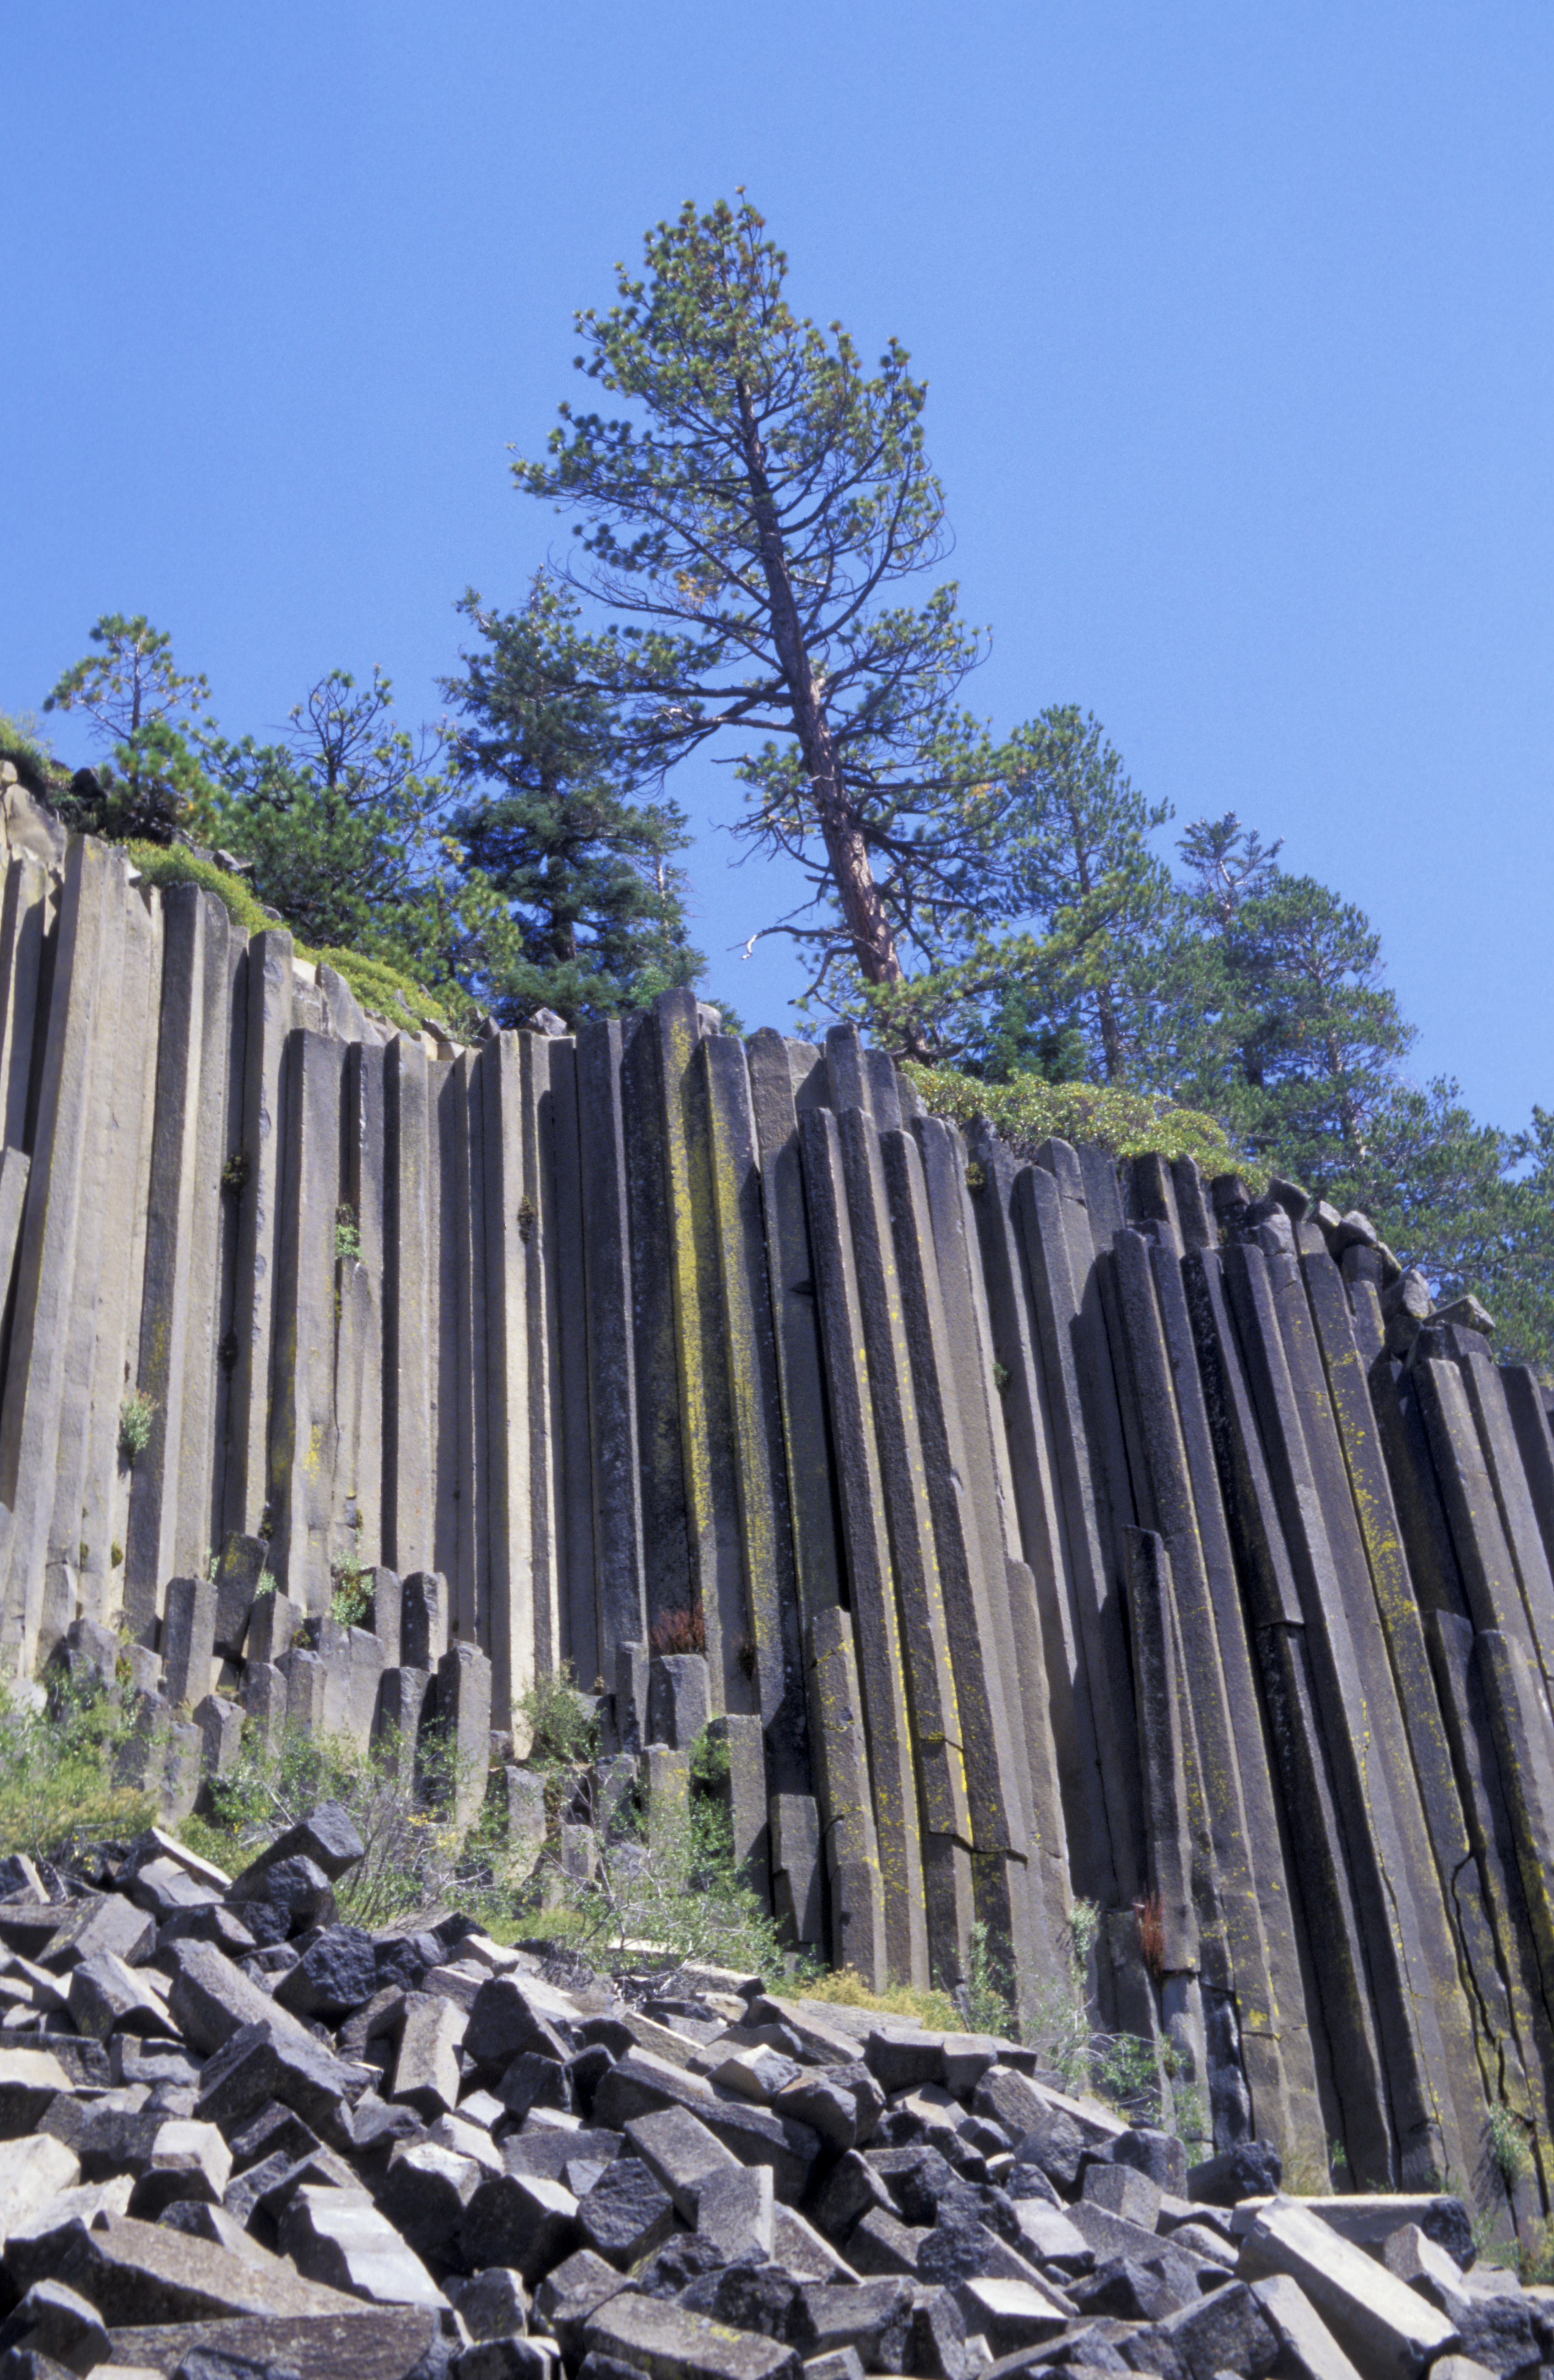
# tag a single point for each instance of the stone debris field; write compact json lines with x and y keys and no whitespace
{"x":244,"y":2139}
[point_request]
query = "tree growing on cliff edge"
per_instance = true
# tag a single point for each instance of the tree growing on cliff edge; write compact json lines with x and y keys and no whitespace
{"x":746,"y":531}
{"x":338,"y":819}
{"x":142,"y":704}
{"x":552,"y":821}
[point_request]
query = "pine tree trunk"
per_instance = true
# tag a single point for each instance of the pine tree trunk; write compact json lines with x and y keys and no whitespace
{"x":863,"y":909}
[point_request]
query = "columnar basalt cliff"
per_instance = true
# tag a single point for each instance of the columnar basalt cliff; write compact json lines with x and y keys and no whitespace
{"x":1048,"y":1533}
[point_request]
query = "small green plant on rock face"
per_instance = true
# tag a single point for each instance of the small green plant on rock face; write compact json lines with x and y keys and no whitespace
{"x":235,"y":1173}
{"x":348,"y":1235}
{"x":664,"y":1875}
{"x":352,"y":1581}
{"x":415,"y":1858}
{"x":57,"y":1767}
{"x":1536,"y":2263}
{"x":560,"y":1722}
{"x":136,"y":1415}
{"x":1512,"y":2156}
{"x":986,"y":1998}
{"x":266,"y":1586}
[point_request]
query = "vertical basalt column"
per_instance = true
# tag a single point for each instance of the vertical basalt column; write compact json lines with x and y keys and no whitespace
{"x":1485,"y":1385}
{"x":1485,"y":1561}
{"x":508,"y":1633}
{"x":303,"y":1429}
{"x":1239,"y":1889}
{"x":470,"y":1579}
{"x":1416,"y":1499}
{"x":24,"y":927}
{"x":982,"y":1653}
{"x":771,"y":1594}
{"x":577,"y":1594}
{"x":858,"y":1900}
{"x":1016,"y":1615}
{"x":796,"y":1323}
{"x":619,"y":1597}
{"x":1454,"y":1920}
{"x":1523,"y":1396}
{"x":1516,"y":2013}
{"x":448,"y":1136}
{"x":359,"y":1486}
{"x":1388,"y":1857}
{"x":68,"y":1542}
{"x":936,"y":1723}
{"x":268,"y":999}
{"x":1519,"y":1721}
{"x":1255,"y":1883}
{"x":46,"y":1265}
{"x":1165,"y":1755}
{"x":712,"y":1477}
{"x":870,"y":1583}
{"x":117,"y":1319}
{"x":229,"y":1228}
{"x":178,"y":1294}
{"x":536,"y":1221}
{"x":197,"y":1461}
{"x":1028,"y":1434}
{"x":1335,"y":1978}
{"x":666,"y":1547}
{"x":1068,"y":1316}
{"x":407,"y":1443}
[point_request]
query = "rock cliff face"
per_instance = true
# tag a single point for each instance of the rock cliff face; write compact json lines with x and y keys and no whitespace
{"x":1032,"y":1532}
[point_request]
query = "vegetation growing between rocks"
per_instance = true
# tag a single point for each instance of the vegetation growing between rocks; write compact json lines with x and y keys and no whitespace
{"x":57,"y":1748}
{"x":416,"y":1859}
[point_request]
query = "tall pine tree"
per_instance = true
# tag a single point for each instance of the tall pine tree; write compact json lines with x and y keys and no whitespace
{"x":552,"y":820}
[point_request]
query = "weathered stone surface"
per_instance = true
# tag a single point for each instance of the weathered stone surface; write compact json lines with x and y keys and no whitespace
{"x":266,"y":2060}
{"x":425,"y":2075}
{"x":736,"y":2212}
{"x":326,"y":1836}
{"x":1385,"y":2326}
{"x":669,"y":2344}
{"x":105,"y":1995}
{"x":132,"y":2272}
{"x":33,"y":2170}
{"x":337,"y":2237}
{"x":627,"y":2212}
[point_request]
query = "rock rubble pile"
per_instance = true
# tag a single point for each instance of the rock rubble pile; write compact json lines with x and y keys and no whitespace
{"x":244,"y":2139}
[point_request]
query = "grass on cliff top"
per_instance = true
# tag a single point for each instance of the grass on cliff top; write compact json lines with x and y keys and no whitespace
{"x":377,"y":985}
{"x":1125,"y":1122}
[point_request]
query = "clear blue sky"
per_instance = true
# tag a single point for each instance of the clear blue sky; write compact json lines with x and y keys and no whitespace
{"x":1239,"y":323}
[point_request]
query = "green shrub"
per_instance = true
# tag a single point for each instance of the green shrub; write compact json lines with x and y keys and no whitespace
{"x":137,"y":1415}
{"x":415,"y":1857}
{"x":57,"y":1780}
{"x":1129,"y":1123}
{"x":351,"y":1602}
{"x":348,"y":1235}
{"x":398,"y":997}
{"x":559,"y":1721}
{"x":666,"y":1880}
{"x":23,"y":739}
{"x":1509,"y":2148}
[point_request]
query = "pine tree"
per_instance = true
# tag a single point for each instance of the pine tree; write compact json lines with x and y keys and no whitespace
{"x":584,"y":870}
{"x":745,"y":530}
{"x":142,"y":707}
{"x":338,"y":821}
